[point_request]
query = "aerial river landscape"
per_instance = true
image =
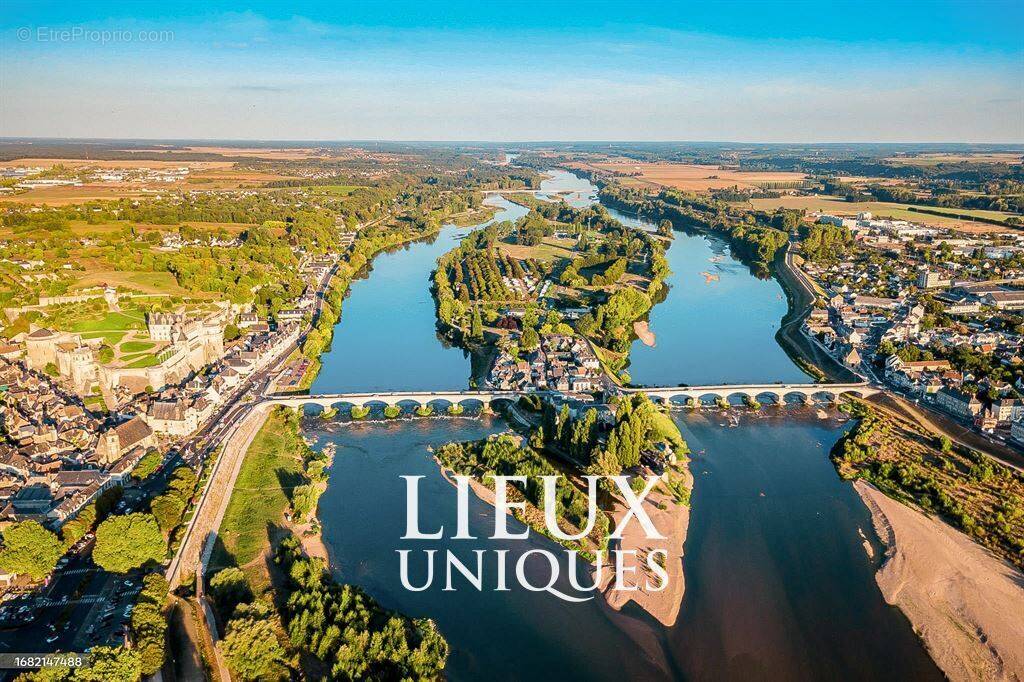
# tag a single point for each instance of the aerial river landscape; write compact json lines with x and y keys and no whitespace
{"x":780,"y":556}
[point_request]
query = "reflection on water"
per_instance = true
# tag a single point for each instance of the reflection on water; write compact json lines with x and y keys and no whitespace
{"x":494,"y":635}
{"x":778,"y":583}
{"x":386,"y":339}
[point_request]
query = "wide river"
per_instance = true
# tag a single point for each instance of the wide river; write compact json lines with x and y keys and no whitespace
{"x":780,"y":556}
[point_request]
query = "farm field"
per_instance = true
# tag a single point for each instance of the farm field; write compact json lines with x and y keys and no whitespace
{"x":68,"y":194}
{"x":205,"y":175}
{"x":81,"y":228}
{"x":881,"y":209}
{"x":935,"y":159}
{"x":548,"y":250}
{"x":145,"y":282}
{"x":127,"y":163}
{"x":691,"y":177}
{"x":288,"y":154}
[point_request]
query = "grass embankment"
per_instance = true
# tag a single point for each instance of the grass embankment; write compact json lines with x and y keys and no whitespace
{"x":977,"y":495}
{"x":273,"y":467}
{"x":663,"y":428}
{"x":472,"y":217}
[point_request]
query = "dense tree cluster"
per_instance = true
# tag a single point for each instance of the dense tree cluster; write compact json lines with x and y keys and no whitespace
{"x":168,"y":507}
{"x":29,"y":549}
{"x":128,"y":541}
{"x":980,"y":496}
{"x":349,"y":631}
{"x":106,"y":664}
{"x":638,"y":426}
{"x":504,"y":456}
{"x":824,"y":243}
{"x":751,"y":234}
{"x":149,"y":623}
{"x":72,"y":531}
{"x":611,"y":324}
{"x":251,"y":646}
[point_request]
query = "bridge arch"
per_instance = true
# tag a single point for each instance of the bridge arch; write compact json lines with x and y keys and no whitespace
{"x":795,"y":397}
{"x":770,"y":398}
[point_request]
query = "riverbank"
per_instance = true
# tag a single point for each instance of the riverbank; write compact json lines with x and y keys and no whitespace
{"x":672,"y":519}
{"x":635,"y":581}
{"x":963,"y":601}
{"x":800,"y":298}
{"x":643,"y":332}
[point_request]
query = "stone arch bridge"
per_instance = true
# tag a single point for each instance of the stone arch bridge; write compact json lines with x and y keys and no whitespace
{"x":777,"y":393}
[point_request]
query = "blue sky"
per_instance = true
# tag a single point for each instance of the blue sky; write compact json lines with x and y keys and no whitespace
{"x":738,"y":71}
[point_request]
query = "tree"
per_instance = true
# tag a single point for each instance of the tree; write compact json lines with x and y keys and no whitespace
{"x":51,"y":369}
{"x":147,"y":466}
{"x":231,"y":332}
{"x":127,"y":542}
{"x":110,"y":664}
{"x":476,"y":329}
{"x":30,"y":549}
{"x":530,"y":338}
{"x":183,"y":481}
{"x":167,"y":510}
{"x":230,"y":588}
{"x":251,"y":648}
{"x":148,"y":624}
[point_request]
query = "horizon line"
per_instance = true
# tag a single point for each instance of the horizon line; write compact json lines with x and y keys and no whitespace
{"x":13,"y":138}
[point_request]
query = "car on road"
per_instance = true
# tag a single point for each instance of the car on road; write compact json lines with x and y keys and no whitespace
{"x":52,"y":638}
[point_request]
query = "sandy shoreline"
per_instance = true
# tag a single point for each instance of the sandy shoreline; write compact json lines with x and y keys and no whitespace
{"x":963,"y":601}
{"x":673,"y":522}
{"x":643,"y":331}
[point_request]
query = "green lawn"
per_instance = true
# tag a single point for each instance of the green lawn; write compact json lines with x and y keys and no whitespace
{"x":549,"y":250}
{"x":259,"y":499}
{"x":136,"y":346}
{"x":95,"y":403}
{"x":109,"y":322}
{"x":110,"y":338}
{"x":146,"y":360}
{"x":667,"y":430}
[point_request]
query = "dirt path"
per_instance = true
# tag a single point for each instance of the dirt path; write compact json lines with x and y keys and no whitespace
{"x":186,"y":643}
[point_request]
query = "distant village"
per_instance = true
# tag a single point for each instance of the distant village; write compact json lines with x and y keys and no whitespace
{"x":57,"y":453}
{"x":905,"y":295}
